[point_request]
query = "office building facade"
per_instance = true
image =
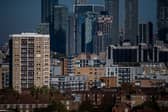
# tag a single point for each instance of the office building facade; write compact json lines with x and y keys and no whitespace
{"x":47,"y":17}
{"x":123,"y":74}
{"x":112,"y":7}
{"x":80,"y":11}
{"x":5,"y":77}
{"x":55,"y":67}
{"x":145,"y":33}
{"x":89,"y":29}
{"x":46,"y":10}
{"x":60,"y":26}
{"x":123,"y":54}
{"x":132,"y":55}
{"x":71,"y":35}
{"x":70,"y":83}
{"x":43,"y":28}
{"x":162,"y":20}
{"x":30,"y":60}
{"x":131,"y":20}
{"x":99,"y":43}
{"x":104,"y":27}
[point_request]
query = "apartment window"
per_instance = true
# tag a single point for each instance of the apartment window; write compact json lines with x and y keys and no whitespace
{"x":46,"y":59}
{"x":23,"y":41}
{"x":46,"y":47}
{"x":46,"y":55}
{"x":46,"y":82}
{"x":16,"y":55}
{"x":46,"y":64}
{"x":38,"y":69}
{"x":46,"y":69}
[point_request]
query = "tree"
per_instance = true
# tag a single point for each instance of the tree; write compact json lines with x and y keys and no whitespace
{"x":128,"y":88}
{"x":86,"y":106}
{"x":44,"y":90}
{"x":53,"y":107}
{"x":33,"y":91}
{"x":149,"y":104}
{"x":14,"y":110}
{"x":108,"y":103}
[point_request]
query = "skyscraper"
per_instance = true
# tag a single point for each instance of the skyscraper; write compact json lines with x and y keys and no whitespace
{"x":99,"y":43}
{"x":112,"y":7}
{"x":30,"y":60}
{"x":145,"y":33}
{"x":60,"y":28}
{"x":104,"y":30}
{"x":162,"y":20}
{"x":47,"y":17}
{"x":71,"y":35}
{"x":43,"y":28}
{"x":88,"y":29}
{"x":46,"y":10}
{"x":80,"y":10}
{"x":131,"y":20}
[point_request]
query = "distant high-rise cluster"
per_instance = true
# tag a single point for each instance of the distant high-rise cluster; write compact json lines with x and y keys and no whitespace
{"x":80,"y":31}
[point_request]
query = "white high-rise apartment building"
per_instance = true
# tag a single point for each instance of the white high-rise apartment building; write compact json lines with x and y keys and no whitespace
{"x":30,"y":60}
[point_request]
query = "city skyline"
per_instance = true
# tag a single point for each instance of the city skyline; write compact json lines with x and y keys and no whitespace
{"x":17,"y":16}
{"x":84,"y":55}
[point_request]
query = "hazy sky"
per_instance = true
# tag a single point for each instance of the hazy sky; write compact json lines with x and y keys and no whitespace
{"x":24,"y":15}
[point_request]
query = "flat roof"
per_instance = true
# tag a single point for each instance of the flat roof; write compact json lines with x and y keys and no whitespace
{"x":30,"y":35}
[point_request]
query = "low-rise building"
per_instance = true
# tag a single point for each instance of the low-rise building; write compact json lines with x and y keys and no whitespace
{"x":5,"y":77}
{"x":124,"y":74}
{"x":93,"y":73}
{"x":65,"y":83}
{"x":67,"y":65}
{"x":149,"y":83}
{"x":108,"y":82}
{"x":55,"y":67}
{"x":134,"y":100}
{"x":154,"y":68}
{"x":89,"y":65}
{"x":97,"y":97}
{"x":141,"y":53}
{"x":27,"y":102}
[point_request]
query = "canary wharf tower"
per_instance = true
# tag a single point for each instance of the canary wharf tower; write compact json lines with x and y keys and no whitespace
{"x":131,"y":20}
{"x":46,"y":10}
{"x":112,"y":7}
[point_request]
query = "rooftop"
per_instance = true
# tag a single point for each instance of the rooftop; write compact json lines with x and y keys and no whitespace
{"x":30,"y":35}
